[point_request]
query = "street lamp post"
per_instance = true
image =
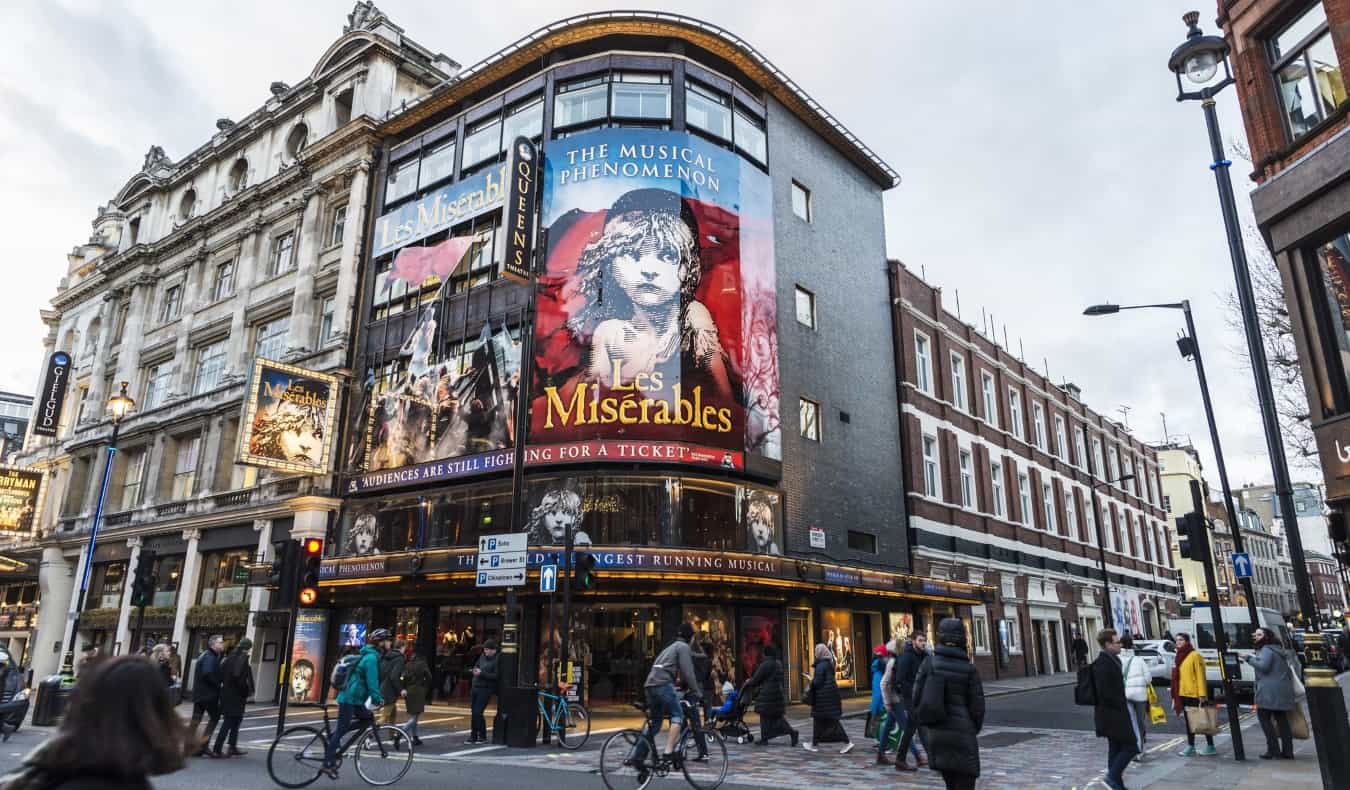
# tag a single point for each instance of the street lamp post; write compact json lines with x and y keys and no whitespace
{"x":1190,"y":348}
{"x":1198,"y":58}
{"x":119,"y":406}
{"x":1107,"y":620}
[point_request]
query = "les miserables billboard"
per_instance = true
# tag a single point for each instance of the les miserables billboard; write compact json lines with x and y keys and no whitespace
{"x":656,"y":316}
{"x":655,"y":337}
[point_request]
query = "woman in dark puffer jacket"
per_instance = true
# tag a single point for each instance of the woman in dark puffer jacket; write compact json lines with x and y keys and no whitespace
{"x":952,"y":747}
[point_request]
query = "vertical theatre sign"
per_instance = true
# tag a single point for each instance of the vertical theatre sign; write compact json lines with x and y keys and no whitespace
{"x":289,"y":414}
{"x":520,"y":210}
{"x":21,"y":493}
{"x":52,"y":395}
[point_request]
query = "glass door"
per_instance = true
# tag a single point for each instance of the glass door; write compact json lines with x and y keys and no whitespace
{"x":799,"y":651}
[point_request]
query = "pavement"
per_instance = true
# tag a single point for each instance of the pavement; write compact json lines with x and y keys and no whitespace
{"x":1034,"y":737}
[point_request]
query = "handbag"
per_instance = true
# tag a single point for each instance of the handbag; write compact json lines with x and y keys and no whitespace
{"x":1300,"y":691}
{"x":1203,"y":720}
{"x":1298,"y":722}
{"x":1156,"y":714}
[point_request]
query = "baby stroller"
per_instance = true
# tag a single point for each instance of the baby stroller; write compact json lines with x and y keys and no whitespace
{"x":13,"y":697}
{"x":729,"y":719}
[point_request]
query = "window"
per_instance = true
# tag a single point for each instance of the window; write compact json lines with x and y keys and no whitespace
{"x":223,"y":284}
{"x":438,"y":164}
{"x":297,"y":140}
{"x":482,"y":141}
{"x":1024,"y":497}
{"x":1113,"y":467}
{"x":224,"y":576}
{"x":525,"y":119}
{"x":168,"y":570}
{"x":750,"y":137}
{"x":109,"y":580}
{"x":806,"y":307}
{"x":326,"y":311}
{"x":134,"y":231}
{"x":1079,"y":447}
{"x":1061,"y":439}
{"x":1148,"y":485}
{"x":238,"y":178}
{"x":930,"y":467}
{"x":269,"y":339}
{"x":172,"y":306}
{"x":808,"y":415}
{"x":581,"y":101}
{"x":959,"y":381}
{"x":133,"y":471}
{"x":967,"y":479}
{"x":990,"y":400}
{"x":1011,"y":628}
{"x":862,"y":541}
{"x":979,"y":627}
{"x":1071,"y":515}
{"x":923,"y":364}
{"x":402,"y":181}
{"x":1099,"y":468}
{"x":342,"y":108}
{"x":639,"y":95}
{"x":996,"y":481}
{"x":187,"y":204}
{"x":210,"y":366}
{"x":1306,"y":70}
{"x":283,"y":254}
{"x":801,"y":201}
{"x":1038,"y":423}
{"x":1015,"y":412}
{"x":338,"y":228}
{"x":1090,"y":522}
{"x":185,"y":467}
{"x":708,"y":110}
{"x":158,"y":379}
{"x":1108,"y":528}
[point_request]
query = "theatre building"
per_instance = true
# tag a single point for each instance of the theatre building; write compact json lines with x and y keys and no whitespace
{"x":710,"y":377}
{"x":1000,"y":484}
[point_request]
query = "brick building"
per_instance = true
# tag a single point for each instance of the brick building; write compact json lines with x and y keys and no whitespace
{"x":998,"y":482}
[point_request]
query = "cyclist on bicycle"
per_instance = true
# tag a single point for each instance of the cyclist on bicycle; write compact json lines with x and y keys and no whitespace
{"x":363,"y":682}
{"x":674,"y":663}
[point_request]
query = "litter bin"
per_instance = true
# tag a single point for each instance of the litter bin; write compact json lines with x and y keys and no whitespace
{"x":517,"y":721}
{"x":50,"y":702}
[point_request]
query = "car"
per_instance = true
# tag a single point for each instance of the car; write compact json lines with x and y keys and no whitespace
{"x":1166,"y":652}
{"x":1159,"y":667}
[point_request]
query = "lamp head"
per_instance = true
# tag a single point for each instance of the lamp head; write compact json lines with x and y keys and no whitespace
{"x":1198,"y":60}
{"x":120,"y":405}
{"x":1102,"y":309}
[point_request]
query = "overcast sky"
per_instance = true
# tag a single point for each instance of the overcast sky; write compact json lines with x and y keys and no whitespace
{"x":1046,"y":164}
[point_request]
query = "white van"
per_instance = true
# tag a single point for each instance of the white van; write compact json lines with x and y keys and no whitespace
{"x":1238,"y":628}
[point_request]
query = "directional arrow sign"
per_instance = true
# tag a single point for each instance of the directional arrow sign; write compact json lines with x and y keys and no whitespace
{"x":491,"y":578}
{"x":1242,"y":565}
{"x":548,"y":578}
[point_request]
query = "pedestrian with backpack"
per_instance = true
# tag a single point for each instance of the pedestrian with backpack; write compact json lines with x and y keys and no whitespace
{"x":358,"y":694}
{"x":949,"y":705}
{"x":1111,"y":711}
{"x":236,"y":686}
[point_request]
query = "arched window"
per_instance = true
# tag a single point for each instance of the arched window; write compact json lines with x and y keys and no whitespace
{"x":187,"y":204}
{"x":297,"y":140}
{"x":91,"y":337}
{"x":238,"y":175}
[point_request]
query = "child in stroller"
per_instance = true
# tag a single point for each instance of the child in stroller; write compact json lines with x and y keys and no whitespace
{"x":729,"y":717}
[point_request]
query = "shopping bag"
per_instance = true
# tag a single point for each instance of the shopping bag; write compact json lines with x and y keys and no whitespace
{"x":1156,"y":714}
{"x":1298,"y":722}
{"x":870,"y":728}
{"x":1203,"y":720}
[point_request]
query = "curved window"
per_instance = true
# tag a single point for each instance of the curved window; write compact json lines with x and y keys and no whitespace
{"x":581,"y":101}
{"x":526,"y":119}
{"x":708,"y":110}
{"x":402,"y":181}
{"x":482,"y":141}
{"x":297,"y":140}
{"x":188,"y":204}
{"x":750,"y":138}
{"x":438,"y":164}
{"x":641,"y":96}
{"x":238,"y":179}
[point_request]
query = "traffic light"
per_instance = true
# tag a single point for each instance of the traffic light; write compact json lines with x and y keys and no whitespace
{"x":311,"y":550}
{"x":1192,"y":537}
{"x":284,"y":568}
{"x":143,"y":582}
{"x":583,"y":572}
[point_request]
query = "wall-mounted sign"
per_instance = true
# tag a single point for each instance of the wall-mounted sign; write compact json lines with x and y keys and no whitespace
{"x":47,"y":409}
{"x":447,"y":206}
{"x":289,"y":415}
{"x":307,"y":655}
{"x":519,"y":223}
{"x":21,"y":495}
{"x":817,"y":538}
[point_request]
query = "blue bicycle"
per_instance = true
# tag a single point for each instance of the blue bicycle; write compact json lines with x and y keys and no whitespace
{"x":569,"y":722}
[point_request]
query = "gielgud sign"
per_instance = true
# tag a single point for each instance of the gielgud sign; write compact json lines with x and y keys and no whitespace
{"x":656,"y":318}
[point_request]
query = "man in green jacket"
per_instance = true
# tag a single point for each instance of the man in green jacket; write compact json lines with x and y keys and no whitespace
{"x":363,"y":683}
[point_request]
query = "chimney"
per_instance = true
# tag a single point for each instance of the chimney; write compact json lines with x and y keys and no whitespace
{"x":1073,"y":390}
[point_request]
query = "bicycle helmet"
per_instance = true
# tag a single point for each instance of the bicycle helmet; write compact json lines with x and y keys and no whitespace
{"x":379,"y":635}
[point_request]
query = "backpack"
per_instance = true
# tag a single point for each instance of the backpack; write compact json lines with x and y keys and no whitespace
{"x":1085,"y":690}
{"x":343,"y":671}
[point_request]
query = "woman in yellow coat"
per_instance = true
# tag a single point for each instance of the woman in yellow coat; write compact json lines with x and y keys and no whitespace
{"x":1190,"y":690}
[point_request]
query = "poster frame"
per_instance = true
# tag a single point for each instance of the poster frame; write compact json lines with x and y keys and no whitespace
{"x":251,"y":397}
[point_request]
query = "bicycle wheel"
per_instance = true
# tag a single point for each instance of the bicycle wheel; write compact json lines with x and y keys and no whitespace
{"x":383,"y":755}
{"x":298,"y":762}
{"x":619,"y":749}
{"x":704,"y":774}
{"x":576,"y":727}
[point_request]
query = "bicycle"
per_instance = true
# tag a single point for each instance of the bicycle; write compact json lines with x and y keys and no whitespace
{"x":620,"y":770}
{"x":564,"y":716}
{"x":380,"y":759}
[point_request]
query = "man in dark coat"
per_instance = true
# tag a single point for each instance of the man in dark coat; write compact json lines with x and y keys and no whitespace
{"x":903,"y":675}
{"x":391,"y":680}
{"x":1112,"y":712}
{"x":952,"y":746}
{"x":771,"y":702}
{"x":236,"y":686}
{"x":206,"y":692}
{"x":481,"y":690}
